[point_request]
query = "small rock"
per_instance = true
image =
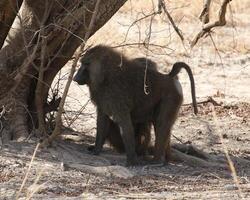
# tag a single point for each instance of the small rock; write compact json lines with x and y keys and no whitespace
{"x":225,"y":136}
{"x":230,"y":187}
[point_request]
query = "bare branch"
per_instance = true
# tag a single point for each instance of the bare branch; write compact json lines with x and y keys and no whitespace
{"x":177,"y":30}
{"x":204,"y":16}
{"x":207,"y":27}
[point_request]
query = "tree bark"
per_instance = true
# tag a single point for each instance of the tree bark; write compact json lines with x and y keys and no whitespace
{"x":61,"y":24}
{"x":8,"y":11}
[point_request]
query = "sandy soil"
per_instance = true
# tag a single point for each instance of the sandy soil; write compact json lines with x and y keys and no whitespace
{"x":67,"y":171}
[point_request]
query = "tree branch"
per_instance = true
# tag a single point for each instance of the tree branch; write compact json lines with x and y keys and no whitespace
{"x":204,"y":16}
{"x":208,"y":26}
{"x":177,"y":30}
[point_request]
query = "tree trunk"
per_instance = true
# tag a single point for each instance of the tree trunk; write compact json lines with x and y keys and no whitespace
{"x":8,"y":10}
{"x":45,"y":37}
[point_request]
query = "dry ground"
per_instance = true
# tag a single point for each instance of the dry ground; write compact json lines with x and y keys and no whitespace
{"x":67,"y":171}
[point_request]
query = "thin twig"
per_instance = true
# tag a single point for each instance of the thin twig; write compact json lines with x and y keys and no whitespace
{"x":27,"y":172}
{"x":147,"y":41}
{"x":177,"y":30}
{"x":209,"y":100}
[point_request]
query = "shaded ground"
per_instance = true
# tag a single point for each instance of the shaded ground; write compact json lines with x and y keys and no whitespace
{"x":67,"y":171}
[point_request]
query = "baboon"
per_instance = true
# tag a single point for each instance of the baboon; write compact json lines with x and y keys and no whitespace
{"x":141,"y":130}
{"x":117,"y":89}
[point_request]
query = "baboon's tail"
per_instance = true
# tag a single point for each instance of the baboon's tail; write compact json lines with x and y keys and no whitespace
{"x":175,"y":70}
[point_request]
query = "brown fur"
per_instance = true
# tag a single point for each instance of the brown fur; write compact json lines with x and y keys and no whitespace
{"x":116,"y":87}
{"x":142,"y":130}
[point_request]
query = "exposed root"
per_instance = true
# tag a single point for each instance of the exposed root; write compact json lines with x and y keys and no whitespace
{"x":178,"y":156}
{"x":13,"y":120}
{"x":191,"y":150}
{"x":192,"y":156}
{"x":113,"y":171}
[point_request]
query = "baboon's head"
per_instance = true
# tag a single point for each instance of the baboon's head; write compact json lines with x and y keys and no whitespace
{"x":90,"y":71}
